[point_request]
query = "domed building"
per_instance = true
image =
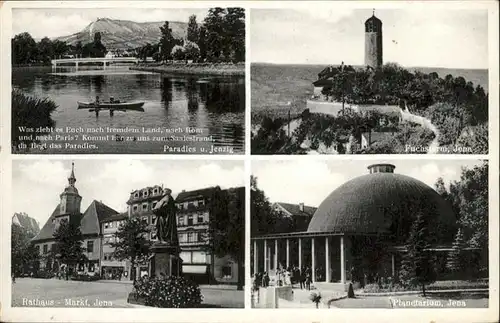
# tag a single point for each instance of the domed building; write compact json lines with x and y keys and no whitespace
{"x":360,"y":229}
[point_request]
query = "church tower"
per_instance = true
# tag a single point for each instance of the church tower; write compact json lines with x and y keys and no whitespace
{"x":70,"y":199}
{"x":373,"y":42}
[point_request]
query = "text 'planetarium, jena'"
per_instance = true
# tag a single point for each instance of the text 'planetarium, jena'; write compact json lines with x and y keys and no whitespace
{"x":360,"y":230}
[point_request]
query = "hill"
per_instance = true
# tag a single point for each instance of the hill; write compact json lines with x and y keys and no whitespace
{"x":124,"y":34}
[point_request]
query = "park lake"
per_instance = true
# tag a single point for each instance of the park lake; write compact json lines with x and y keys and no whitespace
{"x":210,"y":109}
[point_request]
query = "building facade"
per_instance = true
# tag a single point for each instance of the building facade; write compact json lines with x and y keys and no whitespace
{"x":360,"y":230}
{"x":89,"y":221}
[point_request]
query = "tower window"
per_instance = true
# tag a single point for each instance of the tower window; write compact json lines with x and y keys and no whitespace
{"x":90,"y":246}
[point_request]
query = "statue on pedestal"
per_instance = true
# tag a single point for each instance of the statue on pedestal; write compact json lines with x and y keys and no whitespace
{"x":166,"y":221}
{"x":166,"y":260}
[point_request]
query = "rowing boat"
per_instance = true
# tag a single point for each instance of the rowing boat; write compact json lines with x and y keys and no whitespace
{"x":121,"y":106}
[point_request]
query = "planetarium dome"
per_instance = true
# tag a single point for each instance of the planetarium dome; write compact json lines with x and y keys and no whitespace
{"x":381,"y":202}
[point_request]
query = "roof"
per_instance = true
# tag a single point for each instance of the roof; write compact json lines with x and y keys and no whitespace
{"x":116,"y":217}
{"x":373,"y":19}
{"x":381,"y":203}
{"x":294,"y":209}
{"x":26,"y":222}
{"x":191,"y":195}
{"x":49,"y":227}
{"x":93,"y":216}
{"x":89,"y":224}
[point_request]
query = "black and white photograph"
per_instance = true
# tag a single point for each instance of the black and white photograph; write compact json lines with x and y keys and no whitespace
{"x":169,"y":234}
{"x":398,"y":234}
{"x":336,"y":80}
{"x":128,"y":81}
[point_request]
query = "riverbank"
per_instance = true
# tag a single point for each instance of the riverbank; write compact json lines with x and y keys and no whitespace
{"x":194,"y":68}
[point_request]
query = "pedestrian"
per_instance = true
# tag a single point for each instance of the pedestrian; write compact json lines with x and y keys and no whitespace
{"x":302,"y":278}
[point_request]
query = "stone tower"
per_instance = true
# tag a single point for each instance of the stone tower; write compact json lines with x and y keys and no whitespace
{"x":373,"y":42}
{"x":70,"y":199}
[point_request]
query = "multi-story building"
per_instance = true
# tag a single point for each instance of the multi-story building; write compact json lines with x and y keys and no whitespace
{"x":112,"y":268}
{"x":68,"y":209}
{"x":99,"y":224}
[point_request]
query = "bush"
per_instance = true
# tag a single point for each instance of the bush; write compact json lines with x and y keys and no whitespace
{"x":30,"y":112}
{"x":169,"y":292}
{"x":178,"y":52}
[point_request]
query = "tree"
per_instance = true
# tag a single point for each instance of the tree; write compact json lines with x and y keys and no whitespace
{"x":202,"y":43}
{"x":226,"y":231}
{"x":68,"y":244}
{"x":470,"y":197}
{"x":191,"y":50}
{"x":24,"y":49}
{"x":234,"y":27}
{"x":263,"y":218}
{"x":45,"y":50}
{"x":417,"y":268}
{"x":214,"y":24}
{"x":24,"y":256}
{"x":132,"y":243}
{"x":99,"y":50}
{"x":178,"y":52}
{"x":166,"y":41}
{"x":192,"y":29}
{"x":457,"y":261}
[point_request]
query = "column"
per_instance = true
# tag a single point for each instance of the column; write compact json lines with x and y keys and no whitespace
{"x":265,"y":255}
{"x":313,"y":262}
{"x":342,"y":260}
{"x":287,"y":252}
{"x":300,"y":254}
{"x":276,"y":254}
{"x":255,"y":258}
{"x":393,"y":266}
{"x":327,"y":260}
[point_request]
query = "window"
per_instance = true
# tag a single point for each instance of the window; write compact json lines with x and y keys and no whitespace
{"x":201,"y":218}
{"x":145,"y":219}
{"x":145,"y":193}
{"x":106,"y":225}
{"x":192,"y":236}
{"x":90,"y":246}
{"x":153,"y":219}
{"x":145,"y":206}
{"x":180,"y":220}
{"x":45,"y":248}
{"x":81,"y":267}
{"x":153,"y":205}
{"x":190,"y":220}
{"x":91,"y":267}
{"x":136,"y":194}
{"x":155,"y":191}
{"x":135,"y":208}
{"x":182,"y":237}
{"x":185,"y":256}
{"x":199,"y":257}
{"x":201,"y":202}
{"x":227,"y":272}
{"x":111,"y":224}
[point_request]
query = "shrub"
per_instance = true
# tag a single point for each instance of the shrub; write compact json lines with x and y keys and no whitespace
{"x":192,"y":50}
{"x":30,"y":112}
{"x":178,"y":52}
{"x":169,"y":292}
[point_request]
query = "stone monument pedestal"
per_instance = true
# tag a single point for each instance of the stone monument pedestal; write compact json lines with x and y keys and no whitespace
{"x":165,"y":260}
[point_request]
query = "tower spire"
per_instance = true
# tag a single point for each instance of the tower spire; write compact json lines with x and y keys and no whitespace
{"x":373,"y":12}
{"x":72,"y":178}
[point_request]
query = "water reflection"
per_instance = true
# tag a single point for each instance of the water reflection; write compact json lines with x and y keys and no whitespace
{"x":214,"y":106}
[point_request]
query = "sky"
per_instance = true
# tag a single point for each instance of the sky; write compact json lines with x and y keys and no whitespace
{"x":311,"y":181}
{"x":38,"y":183}
{"x":411,"y":37}
{"x":64,"y":22}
